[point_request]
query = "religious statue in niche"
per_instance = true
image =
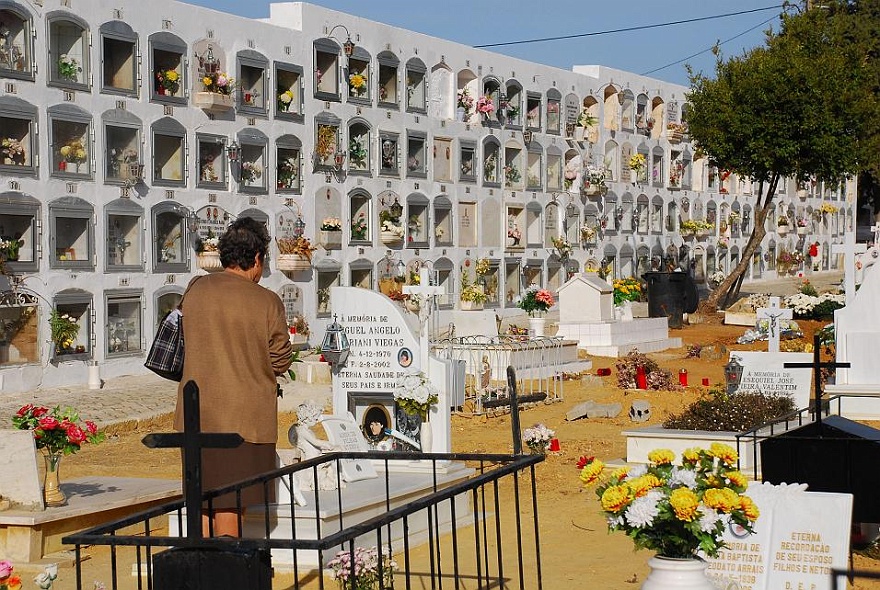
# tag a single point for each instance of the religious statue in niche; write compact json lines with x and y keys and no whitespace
{"x":310,"y":446}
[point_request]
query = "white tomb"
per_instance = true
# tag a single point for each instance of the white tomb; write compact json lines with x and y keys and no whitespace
{"x":586,"y":315}
{"x":857,"y":334}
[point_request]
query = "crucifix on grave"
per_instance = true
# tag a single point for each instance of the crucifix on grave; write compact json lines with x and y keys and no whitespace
{"x":426,"y":293}
{"x":817,"y":365}
{"x":191,"y":442}
{"x":773,"y":314}
{"x":849,"y":248}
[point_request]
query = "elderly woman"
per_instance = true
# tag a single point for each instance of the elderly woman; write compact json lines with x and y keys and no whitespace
{"x":236,"y":344}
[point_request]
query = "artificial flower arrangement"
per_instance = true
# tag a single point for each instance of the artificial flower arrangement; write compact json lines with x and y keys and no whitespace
{"x":359,"y":227}
{"x":536,"y":300}
{"x":64,"y":330}
{"x":482,"y":267}
{"x":415,"y":226}
{"x":357,"y":84}
{"x":300,"y":246}
{"x":357,"y":153}
{"x":12,"y":150}
{"x":677,"y":511}
{"x":285,"y":99}
{"x":326,"y":143}
{"x":802,"y":222}
{"x":511,"y":110}
{"x":167,"y":81}
{"x":56,"y":431}
{"x":73,"y":151}
{"x":676,"y":172}
{"x":562,"y":246}
{"x":695,"y":225}
{"x":218,"y":82}
{"x":595,"y":175}
{"x":390,"y":223}
{"x":827,"y":208}
{"x":465,"y":101}
{"x":210,"y":243}
{"x":485,"y":105}
{"x":677,"y":128}
{"x":588,"y":232}
{"x":415,"y":393}
{"x":208,"y":173}
{"x":331,"y":224}
{"x":288,"y":171}
{"x":512,"y":175}
{"x":723,"y":243}
{"x":538,"y":438}
{"x":629,"y":289}
{"x":474,"y":293}
{"x":365,"y":573}
{"x":68,"y":67}
{"x":717,"y":277}
{"x":489,"y":167}
{"x":782,"y":221}
{"x":585,"y":119}
{"x":637,"y":162}
{"x":251,"y":171}
{"x":9,"y":248}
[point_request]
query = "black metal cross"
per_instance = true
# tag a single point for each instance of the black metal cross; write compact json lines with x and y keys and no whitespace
{"x":817,"y":365}
{"x":191,"y":442}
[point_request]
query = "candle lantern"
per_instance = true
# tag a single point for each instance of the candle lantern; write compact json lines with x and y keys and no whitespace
{"x":733,"y":372}
{"x":335,"y":347}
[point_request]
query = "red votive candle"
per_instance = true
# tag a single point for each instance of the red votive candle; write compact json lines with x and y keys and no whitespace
{"x":554,"y":444}
{"x":683,"y":377}
{"x":706,"y":381}
{"x":641,"y":378}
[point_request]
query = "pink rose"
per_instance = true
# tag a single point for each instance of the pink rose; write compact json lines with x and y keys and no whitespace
{"x":5,"y":569}
{"x":222,"y":81}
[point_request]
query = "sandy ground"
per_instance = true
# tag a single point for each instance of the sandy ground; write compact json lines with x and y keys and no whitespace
{"x":575,"y":543}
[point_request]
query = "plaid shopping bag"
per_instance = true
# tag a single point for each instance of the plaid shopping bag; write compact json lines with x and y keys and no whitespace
{"x":166,"y":354}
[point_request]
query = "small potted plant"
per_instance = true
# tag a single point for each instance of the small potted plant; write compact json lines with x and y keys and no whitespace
{"x":208,"y":253}
{"x":295,"y":253}
{"x":538,"y":438}
{"x":330,"y":237}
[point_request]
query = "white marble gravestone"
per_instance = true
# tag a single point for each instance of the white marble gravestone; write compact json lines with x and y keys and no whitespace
{"x":19,"y":477}
{"x":346,"y":435}
{"x":774,"y":316}
{"x":384,"y":346}
{"x":857,"y":339}
{"x":764,"y":372}
{"x":586,"y":298}
{"x":850,"y":249}
{"x":799,"y":536}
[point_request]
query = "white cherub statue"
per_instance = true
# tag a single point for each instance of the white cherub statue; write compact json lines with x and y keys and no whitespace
{"x":310,"y":446}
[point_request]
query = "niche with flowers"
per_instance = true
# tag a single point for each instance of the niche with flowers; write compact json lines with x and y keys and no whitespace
{"x":212,"y":161}
{"x":387,"y":83}
{"x":442,"y":221}
{"x":416,"y":166}
{"x":389,"y":154}
{"x":68,"y":51}
{"x":124,"y":220}
{"x":18,"y":228}
{"x":358,"y":76}
{"x":288,"y":92}
{"x":167,"y":63}
{"x":252,"y":161}
{"x":18,"y":122}
{"x":122,"y":132}
{"x":554,"y":111}
{"x":16,"y":54}
{"x":288,"y":164}
{"x":253,"y":83}
{"x":70,"y":128}
{"x":491,"y":163}
{"x":71,"y":233}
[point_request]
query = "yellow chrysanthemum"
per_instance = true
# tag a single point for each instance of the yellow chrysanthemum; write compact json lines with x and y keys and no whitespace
{"x":172,"y":75}
{"x":65,"y":151}
{"x":749,"y":508}
{"x":684,"y":503}
{"x":591,"y":472}
{"x":723,"y":499}
{"x":615,"y":499}
{"x":357,"y":80}
{"x":727,"y":454}
{"x":661,"y":457}
{"x":691,"y":455}
{"x":207,"y":81}
{"x":737,"y":478}
{"x":644,"y":484}
{"x":620,"y":472}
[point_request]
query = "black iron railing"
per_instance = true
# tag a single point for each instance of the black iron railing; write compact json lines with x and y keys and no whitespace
{"x":451,"y":516}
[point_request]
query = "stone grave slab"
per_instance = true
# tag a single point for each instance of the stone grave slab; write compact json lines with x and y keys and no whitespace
{"x":347,"y":436}
{"x":799,"y":537}
{"x":763,"y":371}
{"x":19,"y":477}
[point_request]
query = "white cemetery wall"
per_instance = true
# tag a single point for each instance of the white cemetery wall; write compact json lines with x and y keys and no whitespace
{"x":764,"y":372}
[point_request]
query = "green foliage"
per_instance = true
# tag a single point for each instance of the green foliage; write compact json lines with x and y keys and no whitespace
{"x":735,"y":413}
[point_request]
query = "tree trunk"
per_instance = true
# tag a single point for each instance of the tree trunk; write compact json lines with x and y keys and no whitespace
{"x":731,"y":284}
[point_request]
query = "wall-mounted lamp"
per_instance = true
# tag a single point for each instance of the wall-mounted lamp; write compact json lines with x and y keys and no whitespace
{"x":208,"y":64}
{"x":335,"y":346}
{"x":233,"y":151}
{"x":348,"y":45}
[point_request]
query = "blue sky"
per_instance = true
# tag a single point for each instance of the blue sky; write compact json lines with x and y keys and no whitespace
{"x":473,"y":23}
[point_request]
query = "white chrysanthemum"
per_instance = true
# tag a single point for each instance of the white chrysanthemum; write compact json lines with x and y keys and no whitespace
{"x":683,"y":477}
{"x":411,"y":381}
{"x":637,"y":471}
{"x":616,"y":521}
{"x":642,"y":512}
{"x":709,"y":519}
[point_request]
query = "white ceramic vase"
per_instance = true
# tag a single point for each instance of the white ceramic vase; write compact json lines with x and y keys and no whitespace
{"x":677,"y":574}
{"x":426,"y":437}
{"x":536,"y":327}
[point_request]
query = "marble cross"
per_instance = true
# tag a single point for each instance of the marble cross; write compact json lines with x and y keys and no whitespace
{"x":426,"y":293}
{"x":849,"y":248}
{"x":773,"y":314}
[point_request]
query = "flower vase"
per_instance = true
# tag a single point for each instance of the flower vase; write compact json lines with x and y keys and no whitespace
{"x":460,"y":114}
{"x":330,"y":239}
{"x":537,"y":326}
{"x":52,"y":494}
{"x":782,"y":230}
{"x":668,"y":573}
{"x":471,"y":306}
{"x":209,"y":261}
{"x":426,"y":437}
{"x":389,"y":238}
{"x":292,"y":263}
{"x":801,"y":231}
